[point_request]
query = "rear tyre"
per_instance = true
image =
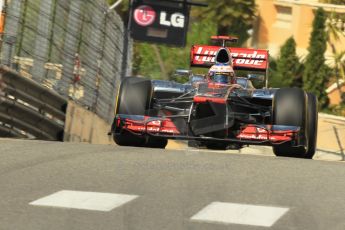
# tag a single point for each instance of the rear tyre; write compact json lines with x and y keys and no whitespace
{"x":156,"y":142}
{"x":195,"y":144}
{"x":291,"y":106}
{"x":224,"y":146}
{"x":216,"y":146}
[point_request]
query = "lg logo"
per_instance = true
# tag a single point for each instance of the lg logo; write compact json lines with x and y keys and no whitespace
{"x":145,"y":15}
{"x":176,"y":20}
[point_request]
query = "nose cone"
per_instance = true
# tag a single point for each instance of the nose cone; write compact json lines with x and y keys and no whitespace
{"x":223,"y":56}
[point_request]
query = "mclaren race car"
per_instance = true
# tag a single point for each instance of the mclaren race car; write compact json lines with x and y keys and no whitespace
{"x":220,"y":110}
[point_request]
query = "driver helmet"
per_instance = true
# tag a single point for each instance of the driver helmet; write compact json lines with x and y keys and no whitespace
{"x":222,"y":74}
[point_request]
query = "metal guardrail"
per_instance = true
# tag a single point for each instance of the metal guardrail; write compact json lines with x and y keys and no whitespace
{"x":29,"y":110}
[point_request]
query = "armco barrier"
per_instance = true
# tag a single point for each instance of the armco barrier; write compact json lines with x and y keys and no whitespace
{"x":30,"y":110}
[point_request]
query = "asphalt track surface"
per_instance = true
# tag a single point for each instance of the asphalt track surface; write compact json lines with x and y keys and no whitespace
{"x":170,"y":187}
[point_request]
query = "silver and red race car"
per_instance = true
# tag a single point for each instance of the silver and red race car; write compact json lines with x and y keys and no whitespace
{"x":220,"y":110}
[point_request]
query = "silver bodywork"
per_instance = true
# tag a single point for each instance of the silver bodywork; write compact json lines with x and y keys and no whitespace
{"x":247,"y":88}
{"x":169,"y":86}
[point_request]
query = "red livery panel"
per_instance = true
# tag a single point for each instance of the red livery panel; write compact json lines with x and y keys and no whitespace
{"x":201,"y":99}
{"x":242,"y":58}
{"x":166,"y":127}
{"x":148,"y":125}
{"x":254,"y":132}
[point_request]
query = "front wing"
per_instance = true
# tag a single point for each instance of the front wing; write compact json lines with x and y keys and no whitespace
{"x":169,"y":128}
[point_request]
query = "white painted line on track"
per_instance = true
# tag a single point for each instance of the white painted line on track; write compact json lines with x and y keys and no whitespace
{"x":84,"y":200}
{"x":232,"y":213}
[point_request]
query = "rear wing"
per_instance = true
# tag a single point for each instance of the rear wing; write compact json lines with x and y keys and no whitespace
{"x":242,"y":58}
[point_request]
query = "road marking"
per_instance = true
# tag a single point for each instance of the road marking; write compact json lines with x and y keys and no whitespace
{"x":232,"y":213}
{"x":84,"y":200}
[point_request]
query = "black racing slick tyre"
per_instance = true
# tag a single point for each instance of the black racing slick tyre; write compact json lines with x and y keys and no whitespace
{"x":311,"y":125}
{"x":134,"y":98}
{"x":216,"y":146}
{"x":195,"y":144}
{"x":292,"y":106}
{"x":156,"y":142}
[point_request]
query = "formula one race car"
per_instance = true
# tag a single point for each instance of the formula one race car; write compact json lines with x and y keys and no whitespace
{"x":221,"y":111}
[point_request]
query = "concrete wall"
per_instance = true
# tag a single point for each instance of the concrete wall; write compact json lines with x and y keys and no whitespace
{"x":83,"y":125}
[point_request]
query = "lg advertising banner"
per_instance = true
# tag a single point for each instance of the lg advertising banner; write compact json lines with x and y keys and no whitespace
{"x":159,"y":21}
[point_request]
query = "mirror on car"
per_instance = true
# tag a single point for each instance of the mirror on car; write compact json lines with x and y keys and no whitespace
{"x":257,"y":80}
{"x":256,"y":77}
{"x":183,"y":72}
{"x":197,"y":78}
{"x":181,"y":75}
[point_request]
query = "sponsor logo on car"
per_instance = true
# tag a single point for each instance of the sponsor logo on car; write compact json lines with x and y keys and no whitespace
{"x":208,"y":55}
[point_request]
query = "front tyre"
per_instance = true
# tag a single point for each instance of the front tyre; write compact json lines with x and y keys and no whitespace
{"x":311,"y":125}
{"x":134,"y":98}
{"x":293,"y":107}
